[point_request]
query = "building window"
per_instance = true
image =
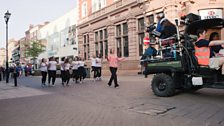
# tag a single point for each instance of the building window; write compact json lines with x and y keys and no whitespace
{"x":84,"y":39}
{"x":119,"y":49}
{"x":96,"y":36}
{"x":86,"y":47}
{"x":101,"y":48}
{"x":125,"y":29}
{"x":96,"y":48}
{"x":140,"y":44}
{"x":96,"y":43}
{"x":105,"y":33}
{"x":98,"y":4}
{"x":85,"y":52}
{"x":106,"y":48}
{"x":118,"y":27}
{"x":141,"y":25}
{"x":122,"y":40}
{"x":94,"y":3}
{"x":84,"y":9}
{"x":101,"y":35}
{"x":101,"y":44}
{"x":140,"y":35}
{"x":126,"y":51}
{"x":150,"y":19}
{"x":105,"y":43}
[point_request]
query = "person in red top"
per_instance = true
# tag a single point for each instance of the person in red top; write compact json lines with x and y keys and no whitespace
{"x":113,"y":64}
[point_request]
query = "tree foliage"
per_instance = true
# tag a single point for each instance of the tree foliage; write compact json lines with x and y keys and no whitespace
{"x":35,"y":48}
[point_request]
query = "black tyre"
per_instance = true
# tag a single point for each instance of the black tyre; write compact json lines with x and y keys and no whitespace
{"x":163,"y":85}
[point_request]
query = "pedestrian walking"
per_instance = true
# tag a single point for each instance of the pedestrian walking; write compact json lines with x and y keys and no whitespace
{"x":113,"y":65}
{"x":93,"y":66}
{"x":30,"y":69}
{"x":43,"y":69}
{"x":67,"y":73}
{"x":98,"y":67}
{"x":18,"y":70}
{"x":81,"y":70}
{"x":75,"y":65}
{"x":62,"y":66}
{"x":52,"y":67}
{"x":1,"y":73}
{"x":26,"y":70}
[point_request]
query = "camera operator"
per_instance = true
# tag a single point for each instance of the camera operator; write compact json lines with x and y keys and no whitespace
{"x":168,"y":29}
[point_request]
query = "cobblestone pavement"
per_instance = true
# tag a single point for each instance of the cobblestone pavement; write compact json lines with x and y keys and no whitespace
{"x":96,"y":104}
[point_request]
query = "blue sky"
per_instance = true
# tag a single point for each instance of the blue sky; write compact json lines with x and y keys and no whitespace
{"x":26,"y":12}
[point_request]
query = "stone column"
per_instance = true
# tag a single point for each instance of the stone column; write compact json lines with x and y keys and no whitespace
{"x":132,"y":38}
{"x":171,"y":10}
{"x":111,"y":37}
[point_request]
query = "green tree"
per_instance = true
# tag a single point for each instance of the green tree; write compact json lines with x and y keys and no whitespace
{"x":35,"y":48}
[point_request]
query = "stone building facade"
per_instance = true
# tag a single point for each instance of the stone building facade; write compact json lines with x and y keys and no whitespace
{"x":120,"y":25}
{"x":2,"y":57}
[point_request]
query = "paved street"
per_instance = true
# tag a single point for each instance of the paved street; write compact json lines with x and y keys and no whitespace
{"x":96,"y":104}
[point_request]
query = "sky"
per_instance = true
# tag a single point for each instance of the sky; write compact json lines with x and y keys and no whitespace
{"x":26,"y":12}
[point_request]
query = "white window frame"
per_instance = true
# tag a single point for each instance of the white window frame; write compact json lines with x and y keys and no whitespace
{"x":84,"y":9}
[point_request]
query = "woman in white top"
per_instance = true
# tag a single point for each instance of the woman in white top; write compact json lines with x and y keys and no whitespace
{"x":75,"y":66}
{"x":67,"y":68}
{"x":43,"y":69}
{"x":52,"y":67}
{"x":62,"y":65}
{"x":81,"y":70}
{"x":98,"y":67}
{"x":93,"y":65}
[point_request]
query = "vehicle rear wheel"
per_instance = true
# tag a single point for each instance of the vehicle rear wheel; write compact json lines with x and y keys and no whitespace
{"x":163,"y":85}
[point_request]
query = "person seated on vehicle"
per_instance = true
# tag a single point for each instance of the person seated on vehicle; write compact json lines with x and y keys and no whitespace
{"x":159,"y":18}
{"x":149,"y":51}
{"x":168,"y":29}
{"x":218,"y":48}
{"x":204,"y":53}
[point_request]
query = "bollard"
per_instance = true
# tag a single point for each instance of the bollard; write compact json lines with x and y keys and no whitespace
{"x":15,"y":79}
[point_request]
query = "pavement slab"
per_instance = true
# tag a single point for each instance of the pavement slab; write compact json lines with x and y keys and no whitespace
{"x":8,"y":91}
{"x":96,"y":104}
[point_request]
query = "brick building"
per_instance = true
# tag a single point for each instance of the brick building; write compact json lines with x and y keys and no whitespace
{"x":119,"y":24}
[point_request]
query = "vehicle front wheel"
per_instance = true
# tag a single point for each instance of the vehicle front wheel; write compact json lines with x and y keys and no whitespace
{"x":163,"y":85}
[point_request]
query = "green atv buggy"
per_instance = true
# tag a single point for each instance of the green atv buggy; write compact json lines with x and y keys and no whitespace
{"x":181,"y":71}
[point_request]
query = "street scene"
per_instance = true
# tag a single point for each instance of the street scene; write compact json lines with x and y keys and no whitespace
{"x":112,"y":63}
{"x":96,"y":104}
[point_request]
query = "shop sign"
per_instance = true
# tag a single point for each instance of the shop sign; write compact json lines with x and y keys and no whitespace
{"x":211,"y":13}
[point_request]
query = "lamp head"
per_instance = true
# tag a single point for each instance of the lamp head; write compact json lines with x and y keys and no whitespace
{"x":7,"y":16}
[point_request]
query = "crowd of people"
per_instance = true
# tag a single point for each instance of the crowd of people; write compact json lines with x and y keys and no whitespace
{"x":76,"y":65}
{"x":16,"y":69}
{"x":69,"y":68}
{"x":75,"y":69}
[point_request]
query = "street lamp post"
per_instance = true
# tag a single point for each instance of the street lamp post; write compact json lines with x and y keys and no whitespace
{"x":7,"y":16}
